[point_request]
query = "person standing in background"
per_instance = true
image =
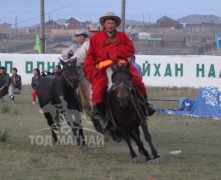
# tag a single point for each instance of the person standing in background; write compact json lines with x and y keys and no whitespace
{"x":34,"y":83}
{"x":137,"y":66}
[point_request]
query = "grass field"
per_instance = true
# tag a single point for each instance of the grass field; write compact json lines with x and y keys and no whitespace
{"x":199,"y":140}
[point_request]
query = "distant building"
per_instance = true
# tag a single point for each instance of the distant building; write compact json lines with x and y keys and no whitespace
{"x":56,"y":24}
{"x":72,"y":23}
{"x":5,"y":26}
{"x":166,"y":22}
{"x":75,"y":23}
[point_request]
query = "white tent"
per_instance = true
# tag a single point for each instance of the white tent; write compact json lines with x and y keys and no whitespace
{"x":144,"y":35}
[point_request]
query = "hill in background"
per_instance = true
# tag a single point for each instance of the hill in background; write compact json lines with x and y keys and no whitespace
{"x":198,"y":19}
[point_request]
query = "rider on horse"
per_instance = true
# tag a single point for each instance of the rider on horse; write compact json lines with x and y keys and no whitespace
{"x":84,"y":84}
{"x":80,"y":36}
{"x":109,"y":46}
{"x":82,"y":51}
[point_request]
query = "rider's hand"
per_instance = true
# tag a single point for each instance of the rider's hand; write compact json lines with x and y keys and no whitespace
{"x":70,"y":54}
{"x":113,"y":53}
{"x":129,"y":59}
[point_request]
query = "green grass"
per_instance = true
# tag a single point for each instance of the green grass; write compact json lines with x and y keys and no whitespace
{"x":4,"y":134}
{"x":199,"y":140}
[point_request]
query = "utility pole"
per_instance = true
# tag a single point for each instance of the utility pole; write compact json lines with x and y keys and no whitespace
{"x":42,"y":27}
{"x":16,"y":23}
{"x":123,"y":10}
{"x":143,"y":22}
{"x":149,"y":19}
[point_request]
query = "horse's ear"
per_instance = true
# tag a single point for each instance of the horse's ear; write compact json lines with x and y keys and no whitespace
{"x":62,"y":62}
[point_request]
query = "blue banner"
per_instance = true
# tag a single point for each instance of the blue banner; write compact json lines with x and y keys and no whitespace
{"x":216,"y":40}
{"x":207,"y":105}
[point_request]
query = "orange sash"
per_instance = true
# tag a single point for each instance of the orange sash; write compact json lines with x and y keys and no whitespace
{"x":108,"y":63}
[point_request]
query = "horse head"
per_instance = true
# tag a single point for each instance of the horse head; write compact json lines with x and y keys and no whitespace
{"x":70,"y":72}
{"x":122,"y":83}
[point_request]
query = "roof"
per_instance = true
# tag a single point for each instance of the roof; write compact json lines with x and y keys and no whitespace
{"x":63,"y":22}
{"x":5,"y":24}
{"x":60,"y":21}
{"x":78,"y":19}
{"x":164,"y":18}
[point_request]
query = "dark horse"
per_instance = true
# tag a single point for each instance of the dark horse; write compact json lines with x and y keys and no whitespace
{"x":58,"y":98}
{"x":126,"y":110}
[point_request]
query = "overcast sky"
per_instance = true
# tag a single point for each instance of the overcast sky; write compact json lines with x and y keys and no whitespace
{"x":92,"y":9}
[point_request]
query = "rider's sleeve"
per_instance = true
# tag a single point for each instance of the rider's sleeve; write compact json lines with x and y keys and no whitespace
{"x":81,"y":52}
{"x":90,"y":61}
{"x":65,"y":55}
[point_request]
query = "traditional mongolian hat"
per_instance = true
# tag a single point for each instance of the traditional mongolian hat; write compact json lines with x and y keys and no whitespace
{"x":81,"y":32}
{"x":110,"y":15}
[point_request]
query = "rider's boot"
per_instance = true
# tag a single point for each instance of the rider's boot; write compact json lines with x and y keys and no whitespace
{"x":150,"y":108}
{"x":99,"y":111}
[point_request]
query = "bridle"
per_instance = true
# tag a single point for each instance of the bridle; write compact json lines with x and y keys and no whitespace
{"x":68,"y":79}
{"x":122,"y":84}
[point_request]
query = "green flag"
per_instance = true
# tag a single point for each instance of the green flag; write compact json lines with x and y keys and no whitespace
{"x":37,"y":45}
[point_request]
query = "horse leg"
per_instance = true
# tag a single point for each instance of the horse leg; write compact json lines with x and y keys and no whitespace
{"x":139,"y":143}
{"x":137,"y":131}
{"x":51,"y":123}
{"x":78,"y":131}
{"x":148,"y":138}
{"x":126,"y":137}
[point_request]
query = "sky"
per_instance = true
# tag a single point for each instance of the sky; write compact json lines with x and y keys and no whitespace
{"x":28,"y":11}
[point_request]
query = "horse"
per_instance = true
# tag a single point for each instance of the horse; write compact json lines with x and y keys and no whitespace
{"x":58,"y":99}
{"x":126,"y":112}
{"x":84,"y":90}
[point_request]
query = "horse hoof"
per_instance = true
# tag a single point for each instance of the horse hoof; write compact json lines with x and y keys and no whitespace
{"x":155,"y":161}
{"x":107,"y":136}
{"x":135,"y":159}
{"x":56,"y":142}
{"x":84,"y":148}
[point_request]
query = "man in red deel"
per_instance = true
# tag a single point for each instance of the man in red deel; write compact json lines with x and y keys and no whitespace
{"x":106,"y":47}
